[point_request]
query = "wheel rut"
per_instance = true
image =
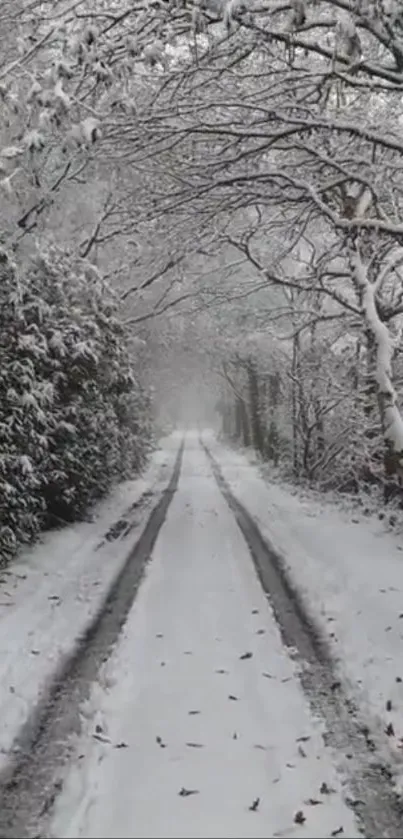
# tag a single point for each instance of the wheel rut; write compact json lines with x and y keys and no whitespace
{"x":378,"y":808}
{"x":33,"y":780}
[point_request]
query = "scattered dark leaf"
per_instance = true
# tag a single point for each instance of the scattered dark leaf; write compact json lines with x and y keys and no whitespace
{"x":188,"y":652}
{"x":260,"y":632}
{"x":159,"y":635}
{"x":313,"y":802}
{"x":384,"y":771}
{"x":290,"y":765}
{"x":388,"y":704}
{"x":354,"y":802}
{"x":287,"y":679}
{"x":221,"y":671}
{"x":388,"y":628}
{"x":100,"y":738}
{"x":389,"y":730}
{"x":364,"y":729}
{"x":370,"y":744}
{"x":192,"y":713}
{"x":185,"y":792}
{"x":258,"y":746}
{"x":245,"y":656}
{"x":268,"y":675}
{"x":234,"y":698}
{"x":53,"y":597}
{"x":325,"y":789}
{"x":98,"y":728}
{"x":299,"y":817}
{"x":255,"y":611}
{"x":303,"y":739}
{"x":12,"y":689}
{"x":195,"y":745}
{"x":35,"y":652}
{"x":235,"y":736}
{"x":398,"y":679}
{"x":255,"y":804}
{"x":337,"y":832}
{"x":160,"y":743}
{"x":121,"y":745}
{"x":301,"y":751}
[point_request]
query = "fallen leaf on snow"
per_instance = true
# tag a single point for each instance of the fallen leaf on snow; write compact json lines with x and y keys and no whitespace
{"x":301,"y":751}
{"x":100,"y":738}
{"x":192,"y":713}
{"x":299,"y":817}
{"x":121,"y":745}
{"x":313,"y":802}
{"x":195,"y":745}
{"x":185,"y":792}
{"x":389,"y":730}
{"x":337,"y":832}
{"x":325,"y":789}
{"x":245,"y":656}
{"x":234,"y":698}
{"x":255,"y":804}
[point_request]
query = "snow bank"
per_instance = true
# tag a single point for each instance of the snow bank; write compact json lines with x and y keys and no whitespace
{"x":350,"y":572}
{"x":50,"y":594}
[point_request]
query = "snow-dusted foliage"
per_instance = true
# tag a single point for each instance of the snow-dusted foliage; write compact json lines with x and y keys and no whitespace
{"x":73,"y":416}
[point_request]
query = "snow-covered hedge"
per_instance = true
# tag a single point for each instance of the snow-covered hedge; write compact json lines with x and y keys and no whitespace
{"x":73,"y":417}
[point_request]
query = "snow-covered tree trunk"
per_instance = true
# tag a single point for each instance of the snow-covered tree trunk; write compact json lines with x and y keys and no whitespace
{"x":392,"y":420}
{"x":255,"y":411}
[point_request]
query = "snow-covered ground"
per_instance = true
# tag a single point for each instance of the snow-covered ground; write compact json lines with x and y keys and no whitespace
{"x":49,"y":596}
{"x":198,"y":726}
{"x":350,"y":572}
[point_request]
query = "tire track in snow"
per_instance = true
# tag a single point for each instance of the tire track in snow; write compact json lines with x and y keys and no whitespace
{"x":372,"y":796}
{"x":30,"y":786}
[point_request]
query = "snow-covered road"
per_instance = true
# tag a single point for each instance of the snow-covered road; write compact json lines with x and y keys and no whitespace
{"x":201,"y":726}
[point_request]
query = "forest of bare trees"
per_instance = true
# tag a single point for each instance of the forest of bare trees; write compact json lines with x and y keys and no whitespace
{"x":198,"y":190}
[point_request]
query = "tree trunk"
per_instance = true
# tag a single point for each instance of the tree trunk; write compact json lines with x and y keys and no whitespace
{"x":392,"y":421}
{"x":294,"y":400}
{"x":257,"y":430}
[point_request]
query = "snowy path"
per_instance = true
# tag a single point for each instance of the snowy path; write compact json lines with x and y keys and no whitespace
{"x":189,"y":712}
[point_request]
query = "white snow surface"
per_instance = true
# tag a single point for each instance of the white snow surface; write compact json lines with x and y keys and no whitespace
{"x":50,"y":594}
{"x":349,"y":571}
{"x":162,"y":712}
